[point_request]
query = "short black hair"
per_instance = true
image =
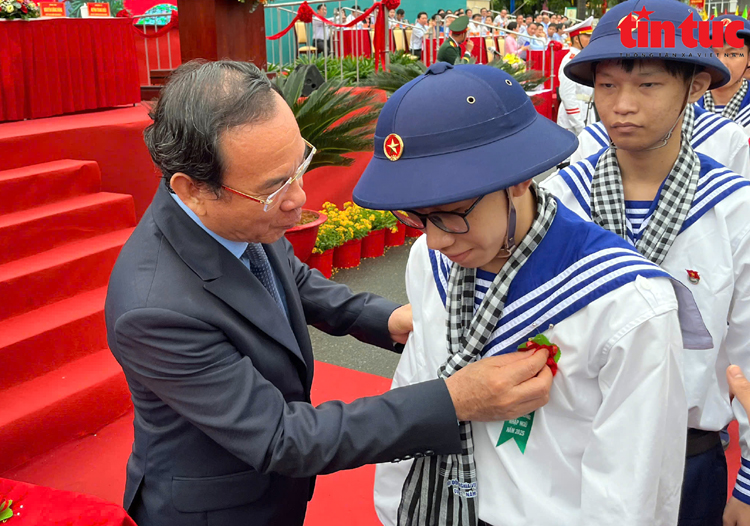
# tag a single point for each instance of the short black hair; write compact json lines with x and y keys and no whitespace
{"x":679,"y":70}
{"x":201,"y":101}
{"x":419,"y":15}
{"x":474,"y":17}
{"x":512,"y":25}
{"x":320,"y":6}
{"x":400,"y":12}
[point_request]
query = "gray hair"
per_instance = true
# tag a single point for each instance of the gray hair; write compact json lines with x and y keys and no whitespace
{"x":200,"y":102}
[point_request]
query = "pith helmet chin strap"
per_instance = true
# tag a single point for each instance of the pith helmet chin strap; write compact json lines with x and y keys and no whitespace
{"x":661,"y":143}
{"x":509,"y":245}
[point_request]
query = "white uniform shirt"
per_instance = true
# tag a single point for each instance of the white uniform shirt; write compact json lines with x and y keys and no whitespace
{"x":715,"y":242}
{"x":417,"y":35}
{"x":713,"y":135}
{"x":609,"y":444}
{"x":575,"y":112}
{"x":743,"y":116}
{"x":321,"y":31}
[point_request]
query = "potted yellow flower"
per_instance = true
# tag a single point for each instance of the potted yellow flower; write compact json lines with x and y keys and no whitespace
{"x":329,"y":236}
{"x":354,"y":227}
{"x":373,"y":245}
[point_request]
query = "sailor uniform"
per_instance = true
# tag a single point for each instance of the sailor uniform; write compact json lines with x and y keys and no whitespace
{"x":742,"y":112}
{"x":712,"y":135}
{"x":575,"y":112}
{"x":711,"y":255}
{"x":610,"y":442}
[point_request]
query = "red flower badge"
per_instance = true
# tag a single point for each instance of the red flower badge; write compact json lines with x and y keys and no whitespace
{"x":540,"y":342}
{"x":693,"y":276}
{"x":5,"y":511}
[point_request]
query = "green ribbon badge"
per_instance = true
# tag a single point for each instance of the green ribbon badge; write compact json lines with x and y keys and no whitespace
{"x":518,"y":429}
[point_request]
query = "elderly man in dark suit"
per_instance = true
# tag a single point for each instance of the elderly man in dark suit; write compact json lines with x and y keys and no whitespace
{"x":207,"y":312}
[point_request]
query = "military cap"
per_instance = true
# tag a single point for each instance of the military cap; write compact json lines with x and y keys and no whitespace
{"x":459,"y":25}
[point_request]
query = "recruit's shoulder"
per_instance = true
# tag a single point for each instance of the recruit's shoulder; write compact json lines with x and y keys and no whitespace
{"x":572,"y":184}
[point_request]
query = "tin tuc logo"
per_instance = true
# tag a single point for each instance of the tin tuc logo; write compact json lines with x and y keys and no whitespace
{"x":657,"y":34}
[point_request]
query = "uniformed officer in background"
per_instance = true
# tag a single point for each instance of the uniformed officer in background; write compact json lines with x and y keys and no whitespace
{"x":450,"y":51}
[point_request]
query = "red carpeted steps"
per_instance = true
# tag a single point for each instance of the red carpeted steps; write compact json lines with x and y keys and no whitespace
{"x":59,"y":238}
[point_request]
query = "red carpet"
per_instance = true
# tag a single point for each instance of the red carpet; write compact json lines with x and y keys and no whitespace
{"x":60,"y":236}
{"x":96,"y":464}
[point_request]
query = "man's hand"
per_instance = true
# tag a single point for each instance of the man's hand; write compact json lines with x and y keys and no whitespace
{"x":736,"y":513}
{"x":400,"y":323}
{"x":739,"y":386}
{"x":469,"y":45}
{"x":501,"y":387}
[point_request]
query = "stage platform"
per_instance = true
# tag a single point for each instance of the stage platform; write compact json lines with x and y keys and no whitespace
{"x":114,"y":139}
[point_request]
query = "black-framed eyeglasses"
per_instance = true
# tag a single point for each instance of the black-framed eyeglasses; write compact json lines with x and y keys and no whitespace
{"x":451,"y":222}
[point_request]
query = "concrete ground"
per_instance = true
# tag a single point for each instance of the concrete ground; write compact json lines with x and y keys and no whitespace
{"x":383,"y":276}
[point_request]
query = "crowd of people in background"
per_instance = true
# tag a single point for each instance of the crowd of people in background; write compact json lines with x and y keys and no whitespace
{"x":521,"y":33}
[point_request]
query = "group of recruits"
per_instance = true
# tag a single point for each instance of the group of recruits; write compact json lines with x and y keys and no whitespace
{"x":631,"y":266}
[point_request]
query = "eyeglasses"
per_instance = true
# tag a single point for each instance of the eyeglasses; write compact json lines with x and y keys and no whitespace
{"x":276,"y":197}
{"x":451,"y":222}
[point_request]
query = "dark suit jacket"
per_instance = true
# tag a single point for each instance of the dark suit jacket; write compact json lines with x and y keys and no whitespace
{"x":224,"y":430}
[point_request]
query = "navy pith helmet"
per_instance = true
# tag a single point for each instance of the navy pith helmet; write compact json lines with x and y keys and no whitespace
{"x":606,"y":44}
{"x":454,"y":133}
{"x":742,"y":33}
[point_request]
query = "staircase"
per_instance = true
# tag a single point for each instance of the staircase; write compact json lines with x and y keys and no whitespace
{"x":59,"y":238}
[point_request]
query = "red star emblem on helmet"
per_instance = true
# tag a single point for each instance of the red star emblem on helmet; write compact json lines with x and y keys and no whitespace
{"x":393,"y":147}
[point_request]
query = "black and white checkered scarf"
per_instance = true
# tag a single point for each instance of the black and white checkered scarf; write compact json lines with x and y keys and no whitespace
{"x":608,"y":202}
{"x":732,"y":108}
{"x":442,"y":490}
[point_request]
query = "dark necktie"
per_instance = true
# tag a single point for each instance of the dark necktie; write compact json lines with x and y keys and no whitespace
{"x":257,"y":260}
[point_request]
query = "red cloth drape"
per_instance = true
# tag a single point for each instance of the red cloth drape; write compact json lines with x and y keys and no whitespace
{"x":52,"y":507}
{"x":53,"y":67}
{"x":535,"y":61}
{"x":355,"y":42}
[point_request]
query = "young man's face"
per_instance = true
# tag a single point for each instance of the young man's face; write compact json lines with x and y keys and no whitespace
{"x":735,"y":59}
{"x":488,"y":223}
{"x":540,"y":31}
{"x":551,"y":30}
{"x":638,"y":108}
{"x":423,"y":20}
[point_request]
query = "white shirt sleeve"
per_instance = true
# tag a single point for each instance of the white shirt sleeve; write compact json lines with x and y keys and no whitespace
{"x":570,"y":103}
{"x":636,"y":475}
{"x":739,"y":161}
{"x":390,"y":477}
